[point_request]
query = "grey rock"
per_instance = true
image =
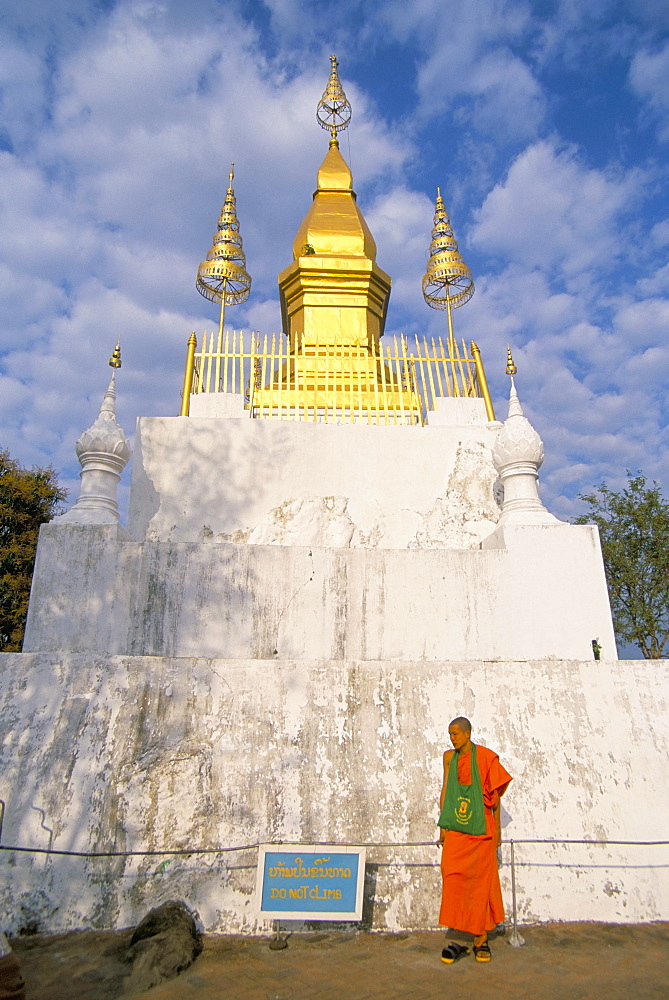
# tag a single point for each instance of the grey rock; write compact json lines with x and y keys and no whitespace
{"x":163,"y":944}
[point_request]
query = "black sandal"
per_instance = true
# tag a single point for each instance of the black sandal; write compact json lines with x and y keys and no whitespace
{"x":482,"y":952}
{"x":453,"y":952}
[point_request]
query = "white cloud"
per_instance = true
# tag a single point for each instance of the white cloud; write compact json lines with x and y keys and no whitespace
{"x":468,"y":66}
{"x":649,"y":79}
{"x":659,"y":234}
{"x":504,"y":98}
{"x":401,"y":221}
{"x":656,"y":283}
{"x":554,"y":212}
{"x":644,"y":323}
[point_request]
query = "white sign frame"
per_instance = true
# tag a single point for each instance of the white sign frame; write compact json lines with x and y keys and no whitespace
{"x":343,"y":915}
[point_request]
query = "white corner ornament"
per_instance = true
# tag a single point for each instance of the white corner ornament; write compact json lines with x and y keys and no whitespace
{"x":517,"y":454}
{"x":103,"y":451}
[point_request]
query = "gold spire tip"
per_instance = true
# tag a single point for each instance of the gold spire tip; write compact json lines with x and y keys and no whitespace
{"x":231,"y":176}
{"x":334,"y":111}
{"x":510,"y":366}
{"x":115,"y":360}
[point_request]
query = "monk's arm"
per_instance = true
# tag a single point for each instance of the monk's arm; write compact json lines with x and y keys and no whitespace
{"x":447,"y":761}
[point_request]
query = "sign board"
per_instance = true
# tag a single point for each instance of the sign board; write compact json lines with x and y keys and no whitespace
{"x":310,"y":882}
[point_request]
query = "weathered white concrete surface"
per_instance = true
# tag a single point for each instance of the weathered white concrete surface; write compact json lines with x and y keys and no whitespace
{"x":456,"y":411}
{"x":295,"y":483}
{"x":535,"y":592}
{"x":143,"y":753}
{"x":218,"y":404}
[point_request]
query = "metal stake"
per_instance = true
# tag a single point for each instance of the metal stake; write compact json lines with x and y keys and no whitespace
{"x":278,"y":943}
{"x":515,"y":940}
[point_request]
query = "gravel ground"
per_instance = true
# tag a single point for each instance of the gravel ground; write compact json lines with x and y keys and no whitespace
{"x":558,"y":962}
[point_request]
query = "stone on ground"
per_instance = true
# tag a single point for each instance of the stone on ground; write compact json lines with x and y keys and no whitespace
{"x":164,"y":943}
{"x":12,"y":986}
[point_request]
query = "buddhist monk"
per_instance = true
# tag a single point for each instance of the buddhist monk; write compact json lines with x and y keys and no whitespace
{"x":474,"y":781}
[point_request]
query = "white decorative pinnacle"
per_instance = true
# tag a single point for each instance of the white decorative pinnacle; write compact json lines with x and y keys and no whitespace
{"x":103,"y":451}
{"x":517,"y":454}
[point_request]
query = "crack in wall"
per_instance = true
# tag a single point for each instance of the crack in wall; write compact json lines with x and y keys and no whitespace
{"x":275,"y":651}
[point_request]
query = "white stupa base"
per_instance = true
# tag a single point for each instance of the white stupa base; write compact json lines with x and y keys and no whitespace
{"x":176,"y":754}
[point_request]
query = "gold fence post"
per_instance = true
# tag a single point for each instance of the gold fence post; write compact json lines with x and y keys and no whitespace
{"x":483,"y":382}
{"x":188,"y":376}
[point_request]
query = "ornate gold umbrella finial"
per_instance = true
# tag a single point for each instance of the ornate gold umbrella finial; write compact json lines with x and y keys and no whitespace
{"x":115,"y":360}
{"x":510,"y":366}
{"x":223,"y":277}
{"x":447,"y":282}
{"x":333,"y":112}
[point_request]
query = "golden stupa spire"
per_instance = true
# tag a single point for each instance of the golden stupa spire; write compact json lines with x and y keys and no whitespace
{"x":510,"y":364}
{"x":223,"y":277}
{"x":334,"y":226}
{"x":447,"y":282}
{"x":115,"y":360}
{"x":334,"y":297}
{"x":333,"y":112}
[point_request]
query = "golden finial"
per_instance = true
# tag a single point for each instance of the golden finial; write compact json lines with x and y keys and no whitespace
{"x":510,"y":366}
{"x":448,"y":282}
{"x":223,"y":277}
{"x":115,"y":360}
{"x":333,"y":112}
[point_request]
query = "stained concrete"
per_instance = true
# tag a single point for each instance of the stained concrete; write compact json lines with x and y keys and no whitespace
{"x":159,"y":753}
{"x":529,"y":592}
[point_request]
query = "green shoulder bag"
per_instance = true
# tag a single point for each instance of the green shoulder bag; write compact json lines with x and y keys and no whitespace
{"x":463,"y":808}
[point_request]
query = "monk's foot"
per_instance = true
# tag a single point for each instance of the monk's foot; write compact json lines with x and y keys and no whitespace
{"x":482,"y":952}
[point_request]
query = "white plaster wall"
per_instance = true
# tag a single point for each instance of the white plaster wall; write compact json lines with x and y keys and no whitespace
{"x":533,"y":592}
{"x":457,"y":411}
{"x":297,"y":483}
{"x":163,"y":753}
{"x":218,"y":404}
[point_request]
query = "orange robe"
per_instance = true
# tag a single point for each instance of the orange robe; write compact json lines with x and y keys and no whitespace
{"x":471,"y":898}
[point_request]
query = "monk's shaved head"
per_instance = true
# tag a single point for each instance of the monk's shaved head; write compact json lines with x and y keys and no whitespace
{"x":462,"y":723}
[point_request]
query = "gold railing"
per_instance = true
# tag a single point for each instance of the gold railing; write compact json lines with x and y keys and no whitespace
{"x":334,"y":384}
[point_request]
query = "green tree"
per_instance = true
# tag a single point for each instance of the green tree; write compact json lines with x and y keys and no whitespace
{"x":28,"y":498}
{"x":634,"y":530}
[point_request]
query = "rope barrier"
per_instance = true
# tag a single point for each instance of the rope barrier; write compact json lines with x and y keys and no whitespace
{"x":185,"y":852}
{"x":515,"y":938}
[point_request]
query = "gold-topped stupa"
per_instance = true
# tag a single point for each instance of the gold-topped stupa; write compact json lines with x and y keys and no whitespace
{"x":331,"y":364}
{"x":334,"y":296}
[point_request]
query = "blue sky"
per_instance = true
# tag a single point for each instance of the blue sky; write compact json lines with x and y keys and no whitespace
{"x":546,"y":125}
